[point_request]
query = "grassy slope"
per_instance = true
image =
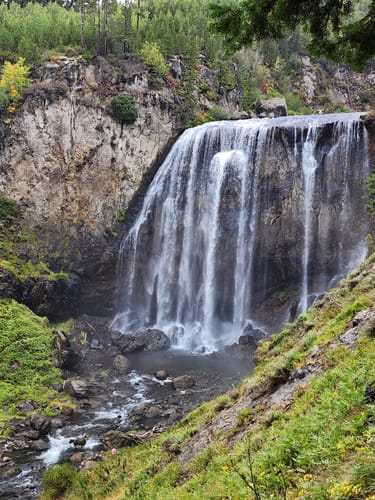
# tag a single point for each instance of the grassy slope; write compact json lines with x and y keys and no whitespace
{"x":310,"y":438}
{"x":26,"y":368}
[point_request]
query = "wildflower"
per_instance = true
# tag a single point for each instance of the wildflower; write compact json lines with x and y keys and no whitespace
{"x":225,"y":468}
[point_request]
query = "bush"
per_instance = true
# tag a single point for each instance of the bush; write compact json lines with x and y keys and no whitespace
{"x":152,"y":56}
{"x":124,"y":109}
{"x":57,"y":480}
{"x":8,"y":207}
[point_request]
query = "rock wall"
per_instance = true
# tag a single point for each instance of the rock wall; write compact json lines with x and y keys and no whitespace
{"x":73,"y":169}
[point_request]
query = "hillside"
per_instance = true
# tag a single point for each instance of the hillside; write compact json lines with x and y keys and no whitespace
{"x":302,"y":426}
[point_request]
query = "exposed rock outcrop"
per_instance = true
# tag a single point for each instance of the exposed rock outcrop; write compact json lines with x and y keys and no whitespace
{"x":74,"y":170}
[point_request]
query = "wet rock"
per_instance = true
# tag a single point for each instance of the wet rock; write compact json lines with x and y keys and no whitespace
{"x":183,"y":382}
{"x":251,"y":335}
{"x":8,"y":468}
{"x":28,"y":405}
{"x":147,"y":340}
{"x":40,"y":445}
{"x":41,"y":424}
{"x":161,"y":375}
{"x":79,"y":441}
{"x":118,"y":439}
{"x":247,"y":340}
{"x":154,"y":340}
{"x":77,"y":388}
{"x":121,"y":364}
{"x":153,"y":412}
{"x":127,"y":343}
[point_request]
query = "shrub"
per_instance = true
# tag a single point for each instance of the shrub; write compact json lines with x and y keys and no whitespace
{"x":57,"y":480}
{"x":124,"y":109}
{"x":8,"y":207}
{"x":152,"y":56}
{"x":14,"y":80}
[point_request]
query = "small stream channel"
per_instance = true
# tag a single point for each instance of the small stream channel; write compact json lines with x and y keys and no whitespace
{"x":136,"y":400}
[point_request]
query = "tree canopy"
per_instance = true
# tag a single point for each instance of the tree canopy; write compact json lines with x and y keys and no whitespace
{"x":341,"y":30}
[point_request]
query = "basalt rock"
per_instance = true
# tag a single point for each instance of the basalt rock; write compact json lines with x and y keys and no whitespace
{"x":147,"y":340}
{"x":56,"y":299}
{"x":78,"y":388}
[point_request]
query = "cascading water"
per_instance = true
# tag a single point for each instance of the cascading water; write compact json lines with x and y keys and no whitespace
{"x":242,"y":219}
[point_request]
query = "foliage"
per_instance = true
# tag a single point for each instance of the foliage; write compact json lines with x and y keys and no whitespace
{"x":216,"y":113}
{"x":57,"y":480}
{"x":152,"y":56}
{"x":321,"y":445}
{"x":333,"y":29}
{"x":26,"y":369}
{"x":8,"y":207}
{"x":124,"y":109}
{"x":14,"y":80}
{"x":31,"y":30}
{"x":370,"y":205}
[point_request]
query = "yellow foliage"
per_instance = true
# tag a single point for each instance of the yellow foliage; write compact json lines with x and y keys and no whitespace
{"x":14,"y":80}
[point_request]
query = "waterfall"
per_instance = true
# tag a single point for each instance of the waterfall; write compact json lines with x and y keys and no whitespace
{"x":242,"y":220}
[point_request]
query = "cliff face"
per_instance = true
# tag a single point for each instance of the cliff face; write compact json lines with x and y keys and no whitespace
{"x":72,"y":169}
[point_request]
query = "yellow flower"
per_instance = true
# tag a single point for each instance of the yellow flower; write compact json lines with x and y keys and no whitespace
{"x":11,"y":109}
{"x":307,"y":477}
{"x":225,"y":468}
{"x":7,"y":121}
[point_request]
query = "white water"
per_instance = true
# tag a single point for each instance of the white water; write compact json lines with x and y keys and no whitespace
{"x":196,"y":263}
{"x":60,"y":443}
{"x":309,"y":166}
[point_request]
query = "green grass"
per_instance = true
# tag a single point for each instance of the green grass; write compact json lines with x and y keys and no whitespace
{"x":26,"y":368}
{"x":320,"y":445}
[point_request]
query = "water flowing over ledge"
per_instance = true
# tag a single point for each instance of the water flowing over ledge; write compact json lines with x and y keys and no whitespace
{"x":245,"y":223}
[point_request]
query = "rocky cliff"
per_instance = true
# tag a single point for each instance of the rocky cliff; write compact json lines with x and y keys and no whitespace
{"x":72,"y":169}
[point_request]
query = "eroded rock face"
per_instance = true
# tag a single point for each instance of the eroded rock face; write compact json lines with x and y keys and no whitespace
{"x":73,"y":169}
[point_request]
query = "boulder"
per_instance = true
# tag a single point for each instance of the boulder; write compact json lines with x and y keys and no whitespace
{"x":28,"y":405}
{"x":39,"y":445}
{"x":271,"y":108}
{"x":146,"y":340}
{"x":154,"y":340}
{"x":117,"y":439}
{"x":77,"y":388}
{"x":127,"y":343}
{"x":250,"y":336}
{"x":120,"y":363}
{"x":40,"y":424}
{"x":161,"y":375}
{"x":183,"y":382}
